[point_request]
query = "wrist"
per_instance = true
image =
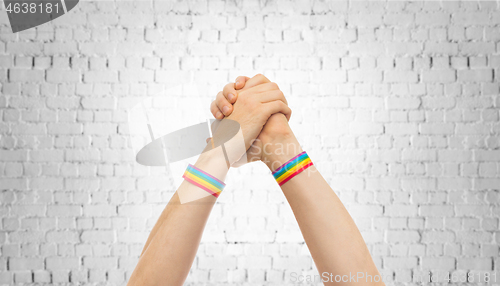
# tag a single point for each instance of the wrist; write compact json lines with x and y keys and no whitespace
{"x":228,"y":137}
{"x":213,"y":162}
{"x":204,"y":178}
{"x":277,"y":153}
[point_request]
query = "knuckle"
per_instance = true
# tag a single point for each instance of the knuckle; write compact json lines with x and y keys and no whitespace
{"x":261,"y":78}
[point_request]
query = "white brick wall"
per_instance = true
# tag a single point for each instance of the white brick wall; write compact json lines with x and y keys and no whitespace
{"x":396,"y":102}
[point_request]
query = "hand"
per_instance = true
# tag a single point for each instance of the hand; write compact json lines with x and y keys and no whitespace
{"x":256,"y":104}
{"x":276,"y":144}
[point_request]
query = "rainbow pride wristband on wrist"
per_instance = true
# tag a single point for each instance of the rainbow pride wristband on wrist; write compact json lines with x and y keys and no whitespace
{"x":292,"y":168}
{"x":204,"y":180}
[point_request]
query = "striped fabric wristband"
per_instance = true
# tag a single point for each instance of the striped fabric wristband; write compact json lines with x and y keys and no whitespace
{"x":292,"y":168}
{"x":204,"y":180}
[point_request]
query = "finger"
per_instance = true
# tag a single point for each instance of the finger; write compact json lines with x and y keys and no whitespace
{"x":256,"y":80}
{"x":272,"y":95}
{"x":208,"y":139}
{"x":268,"y":86}
{"x":223,"y":105}
{"x":240,"y":82}
{"x":281,"y":114}
{"x":277,"y":106}
{"x":230,"y":93}
{"x":215,"y":111}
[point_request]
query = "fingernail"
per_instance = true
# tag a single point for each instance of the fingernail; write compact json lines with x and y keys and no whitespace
{"x":236,"y":83}
{"x":225,"y":110}
{"x":230,"y":97}
{"x":218,"y":114}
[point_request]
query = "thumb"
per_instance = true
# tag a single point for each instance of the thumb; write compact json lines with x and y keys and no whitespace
{"x":240,"y":82}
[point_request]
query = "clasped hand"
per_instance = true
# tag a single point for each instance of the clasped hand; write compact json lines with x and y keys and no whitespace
{"x":262,"y":111}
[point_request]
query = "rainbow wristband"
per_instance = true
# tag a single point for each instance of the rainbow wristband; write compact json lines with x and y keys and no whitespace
{"x":292,"y":168}
{"x":203,"y":180}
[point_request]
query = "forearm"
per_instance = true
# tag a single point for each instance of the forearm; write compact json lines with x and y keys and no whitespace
{"x":334,"y":241}
{"x":331,"y":235}
{"x":172,"y":245}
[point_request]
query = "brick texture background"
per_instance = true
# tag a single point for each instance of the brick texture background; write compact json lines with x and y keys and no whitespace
{"x":396,"y":102}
